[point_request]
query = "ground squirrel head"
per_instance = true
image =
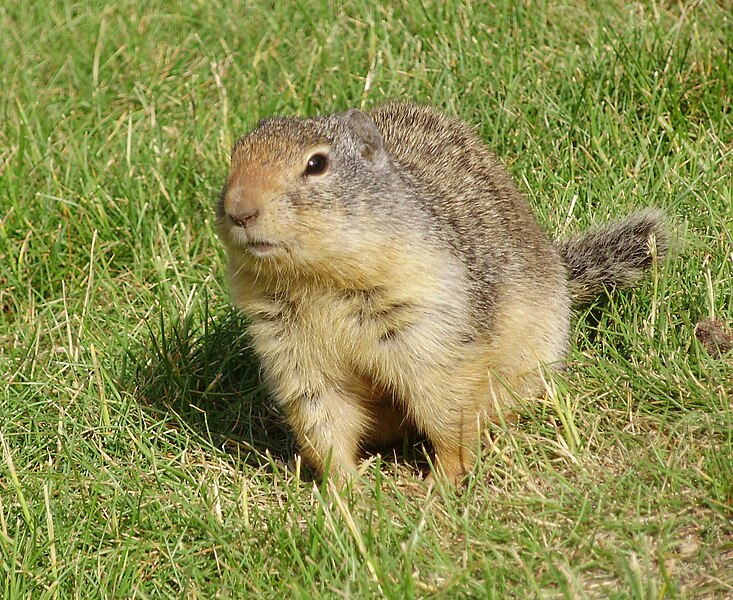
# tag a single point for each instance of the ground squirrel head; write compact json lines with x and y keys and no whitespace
{"x":301,"y":191}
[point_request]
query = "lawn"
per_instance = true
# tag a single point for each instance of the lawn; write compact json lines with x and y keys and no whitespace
{"x":139,"y":453}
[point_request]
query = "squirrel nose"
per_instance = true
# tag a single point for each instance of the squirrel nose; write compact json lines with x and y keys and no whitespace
{"x":243,"y":204}
{"x":244,"y":218}
{"x":247,"y":197}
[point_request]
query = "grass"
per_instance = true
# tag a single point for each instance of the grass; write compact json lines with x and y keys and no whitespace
{"x":139,"y":455}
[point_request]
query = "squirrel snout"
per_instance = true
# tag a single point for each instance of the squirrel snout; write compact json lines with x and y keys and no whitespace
{"x":245,"y":218}
{"x":243,"y":205}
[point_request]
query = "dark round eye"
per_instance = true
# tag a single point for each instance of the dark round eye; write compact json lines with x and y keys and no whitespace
{"x":317,"y":164}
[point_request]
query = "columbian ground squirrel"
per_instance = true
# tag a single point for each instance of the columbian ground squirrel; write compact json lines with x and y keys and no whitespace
{"x":396,"y":281}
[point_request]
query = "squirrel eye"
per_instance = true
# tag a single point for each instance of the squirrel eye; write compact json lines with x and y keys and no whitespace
{"x":317,"y":164}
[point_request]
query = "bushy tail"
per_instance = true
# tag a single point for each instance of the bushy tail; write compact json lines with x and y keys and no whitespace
{"x":615,"y":255}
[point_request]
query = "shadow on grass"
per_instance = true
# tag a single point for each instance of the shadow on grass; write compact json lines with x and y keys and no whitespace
{"x":198,"y":373}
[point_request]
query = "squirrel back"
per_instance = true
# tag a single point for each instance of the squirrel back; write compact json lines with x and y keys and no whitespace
{"x":615,"y":255}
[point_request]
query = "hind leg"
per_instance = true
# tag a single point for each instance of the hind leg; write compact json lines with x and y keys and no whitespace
{"x":447,"y":406}
{"x":451,"y":405}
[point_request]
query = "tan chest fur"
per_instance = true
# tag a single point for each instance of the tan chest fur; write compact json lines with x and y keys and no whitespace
{"x":313,"y":335}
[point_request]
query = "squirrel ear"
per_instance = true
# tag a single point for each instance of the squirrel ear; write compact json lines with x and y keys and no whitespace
{"x":364,"y":130}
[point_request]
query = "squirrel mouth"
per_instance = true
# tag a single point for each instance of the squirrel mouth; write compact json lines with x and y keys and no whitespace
{"x":261,"y":249}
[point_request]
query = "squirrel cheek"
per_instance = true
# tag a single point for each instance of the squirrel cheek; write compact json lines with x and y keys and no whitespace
{"x":303,"y":197}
